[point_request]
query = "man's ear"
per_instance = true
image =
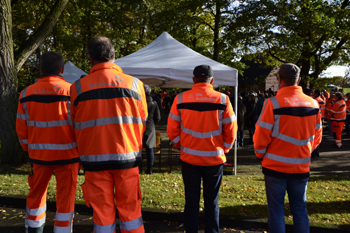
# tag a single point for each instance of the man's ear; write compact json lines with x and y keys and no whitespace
{"x":212,"y":80}
{"x":62,"y":71}
{"x":299,"y":80}
{"x":91,"y":60}
{"x":194,"y":79}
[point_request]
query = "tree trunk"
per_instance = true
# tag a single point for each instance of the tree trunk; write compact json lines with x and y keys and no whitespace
{"x":12,"y":152}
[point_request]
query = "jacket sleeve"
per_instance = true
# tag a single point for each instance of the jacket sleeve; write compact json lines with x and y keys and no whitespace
{"x":229,"y":126}
{"x":174,"y":124}
{"x":73,"y":96}
{"x":143,"y":105}
{"x":21,"y":125}
{"x":318,"y":132}
{"x":263,"y":130}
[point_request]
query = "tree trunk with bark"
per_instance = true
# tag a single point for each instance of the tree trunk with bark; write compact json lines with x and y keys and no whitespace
{"x":11,"y":151}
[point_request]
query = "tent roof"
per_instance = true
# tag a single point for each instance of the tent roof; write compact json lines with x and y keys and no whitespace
{"x":71,"y":72}
{"x":166,"y":62}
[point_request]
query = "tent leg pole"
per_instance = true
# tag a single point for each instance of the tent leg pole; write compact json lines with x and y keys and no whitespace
{"x":235,"y":154}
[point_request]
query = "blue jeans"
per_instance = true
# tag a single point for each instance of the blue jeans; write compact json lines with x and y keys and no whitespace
{"x":212,"y":178}
{"x":275,"y":192}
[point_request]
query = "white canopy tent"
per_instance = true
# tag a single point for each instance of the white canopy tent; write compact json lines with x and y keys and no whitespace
{"x":71,"y":72}
{"x":166,"y":62}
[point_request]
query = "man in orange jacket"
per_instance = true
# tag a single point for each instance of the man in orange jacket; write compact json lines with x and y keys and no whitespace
{"x":347,"y":122}
{"x":288,"y":130}
{"x":109,"y":110}
{"x":337,"y":114}
{"x":203,"y":125}
{"x":45,"y":130}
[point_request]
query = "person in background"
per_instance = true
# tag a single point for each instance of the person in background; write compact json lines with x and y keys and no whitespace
{"x":241,"y":111}
{"x":347,"y":122}
{"x":260,"y":103}
{"x":149,"y":137}
{"x":329,"y":105}
{"x":252,"y":114}
{"x":337,"y":114}
{"x":203,"y":125}
{"x":288,"y":130}
{"x":321,"y":104}
{"x":109,"y":111}
{"x":45,"y":130}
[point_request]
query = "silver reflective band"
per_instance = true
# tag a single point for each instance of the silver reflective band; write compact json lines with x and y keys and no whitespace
{"x":274,"y":102}
{"x":21,"y":116}
{"x":180,"y":98}
{"x":223,"y":98}
{"x":35,"y":212}
{"x":229,"y":119}
{"x":48,"y":146}
{"x":294,"y":140}
{"x":64,"y":216}
{"x":110,"y":157}
{"x":318,"y":125}
{"x":131,"y":225}
{"x":174,"y":117}
{"x":228,"y":145}
{"x":202,"y":153}
{"x":108,"y":121}
{"x":45,"y":124}
{"x":262,"y":151}
{"x":265,"y":125}
{"x":24,"y":141}
{"x":69,"y":118}
{"x":35,"y":224}
{"x":78,"y":87}
{"x":201,"y":135}
{"x":105,"y":229}
{"x":68,"y":229}
{"x":176,"y":140}
{"x":288,"y":160}
{"x":135,"y":84}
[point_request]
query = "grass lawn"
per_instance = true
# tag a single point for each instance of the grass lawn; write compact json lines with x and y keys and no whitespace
{"x":241,"y":197}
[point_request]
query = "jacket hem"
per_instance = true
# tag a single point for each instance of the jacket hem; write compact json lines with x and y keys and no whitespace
{"x":282,"y":175}
{"x":55,"y":162}
{"x":110,"y":165}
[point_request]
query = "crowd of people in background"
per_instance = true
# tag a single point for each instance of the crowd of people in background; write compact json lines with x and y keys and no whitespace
{"x":333,"y":105}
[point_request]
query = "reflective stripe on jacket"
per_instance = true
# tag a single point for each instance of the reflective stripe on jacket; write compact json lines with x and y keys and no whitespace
{"x":44,"y":125}
{"x":338,"y":111}
{"x":202,"y":123}
{"x":288,"y":129}
{"x":109,"y":111}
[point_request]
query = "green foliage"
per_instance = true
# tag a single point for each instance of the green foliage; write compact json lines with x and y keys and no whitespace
{"x":312,"y":34}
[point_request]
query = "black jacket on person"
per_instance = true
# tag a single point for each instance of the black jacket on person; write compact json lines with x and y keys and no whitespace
{"x":149,"y":137}
{"x":241,"y":109}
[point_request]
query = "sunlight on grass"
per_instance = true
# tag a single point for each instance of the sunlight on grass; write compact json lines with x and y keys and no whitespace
{"x":241,"y":197}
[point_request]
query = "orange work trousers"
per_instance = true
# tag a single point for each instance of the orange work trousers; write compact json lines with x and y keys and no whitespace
{"x":66,"y":184}
{"x":102,"y":189}
{"x":337,"y":128}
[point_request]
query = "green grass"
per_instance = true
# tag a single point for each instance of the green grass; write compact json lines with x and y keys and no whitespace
{"x":241,"y":197}
{"x":346,"y":90}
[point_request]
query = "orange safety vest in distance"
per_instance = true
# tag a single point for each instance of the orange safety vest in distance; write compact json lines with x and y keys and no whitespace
{"x":44,"y":125}
{"x":348,"y":107}
{"x":203,"y":125}
{"x":338,"y":111}
{"x":109,"y":111}
{"x":321,"y":104}
{"x":288,"y":129}
{"x":329,"y":105}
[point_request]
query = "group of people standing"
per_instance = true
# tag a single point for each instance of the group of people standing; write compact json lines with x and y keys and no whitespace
{"x":99,"y":122}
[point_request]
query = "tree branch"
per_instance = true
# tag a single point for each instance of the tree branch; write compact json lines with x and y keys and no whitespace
{"x":30,"y":45}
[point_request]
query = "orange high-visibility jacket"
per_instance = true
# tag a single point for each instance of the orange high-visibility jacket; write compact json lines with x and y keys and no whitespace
{"x":338,"y":111}
{"x":288,"y":129}
{"x":44,"y":125}
{"x":322,"y":105}
{"x":203,"y":125}
{"x":329,"y":105}
{"x":109,"y":111}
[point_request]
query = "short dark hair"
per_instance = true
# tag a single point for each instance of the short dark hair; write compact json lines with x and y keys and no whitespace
{"x":101,"y":49}
{"x":289,"y":73}
{"x":339,"y":95}
{"x":51,"y":63}
{"x":317,"y":92}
